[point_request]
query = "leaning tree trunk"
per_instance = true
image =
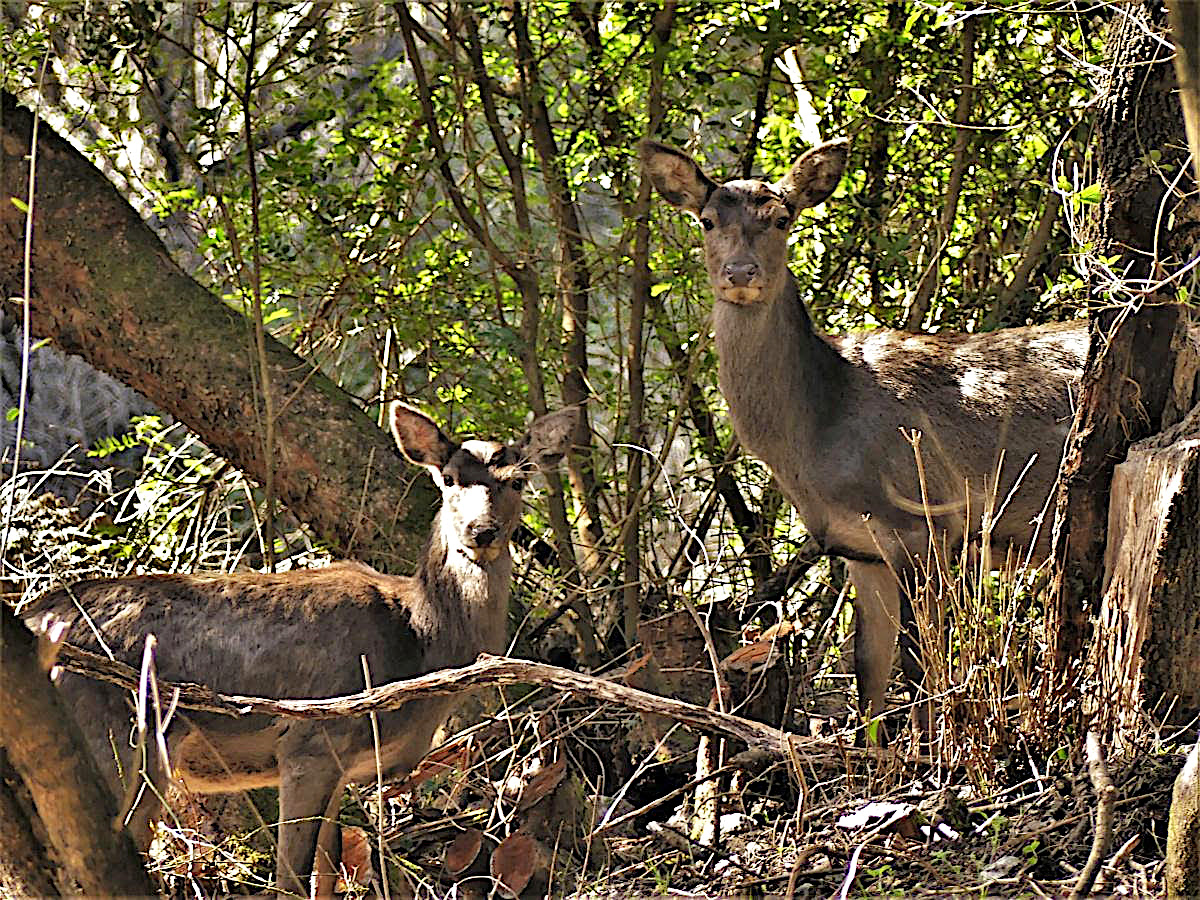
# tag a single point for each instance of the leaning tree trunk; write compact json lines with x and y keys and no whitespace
{"x":104,"y":287}
{"x":27,"y":867}
{"x":1140,"y":377}
{"x":48,"y":752}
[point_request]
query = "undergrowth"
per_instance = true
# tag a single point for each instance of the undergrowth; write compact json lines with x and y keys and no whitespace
{"x":995,"y":801}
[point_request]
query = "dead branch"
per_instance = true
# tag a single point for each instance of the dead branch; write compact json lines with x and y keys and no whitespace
{"x":487,"y":670}
{"x":1106,"y":793}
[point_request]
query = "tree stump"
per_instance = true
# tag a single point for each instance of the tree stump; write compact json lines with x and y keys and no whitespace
{"x":1149,"y":628}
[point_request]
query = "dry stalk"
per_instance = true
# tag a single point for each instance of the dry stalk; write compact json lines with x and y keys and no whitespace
{"x":1106,"y":793}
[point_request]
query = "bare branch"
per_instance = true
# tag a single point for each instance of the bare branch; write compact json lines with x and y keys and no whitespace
{"x":1106,"y":795}
{"x":487,"y":670}
{"x":962,"y":112}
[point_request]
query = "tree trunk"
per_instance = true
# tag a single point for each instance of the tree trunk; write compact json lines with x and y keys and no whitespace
{"x":1131,"y":385}
{"x":49,"y":754}
{"x":103,"y":287}
{"x":26,"y":867}
{"x":1149,"y":617}
{"x":1182,"y":875}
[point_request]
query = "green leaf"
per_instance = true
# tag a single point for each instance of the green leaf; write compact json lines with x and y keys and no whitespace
{"x":873,"y":732}
{"x":20,"y":204}
{"x":857,"y":95}
{"x":12,"y":414}
{"x":1090,"y":195}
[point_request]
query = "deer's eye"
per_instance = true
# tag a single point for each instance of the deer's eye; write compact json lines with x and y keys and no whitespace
{"x":448,"y":479}
{"x":782,"y":223}
{"x":517,"y":484}
{"x":707,"y":223}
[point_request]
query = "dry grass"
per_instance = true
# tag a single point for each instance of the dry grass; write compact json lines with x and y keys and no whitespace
{"x":997,"y":803}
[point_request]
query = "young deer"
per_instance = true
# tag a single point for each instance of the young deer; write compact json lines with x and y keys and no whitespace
{"x":832,"y":416}
{"x":301,"y":634}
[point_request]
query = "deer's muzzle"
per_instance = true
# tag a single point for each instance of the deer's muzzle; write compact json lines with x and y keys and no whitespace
{"x":742,"y":296}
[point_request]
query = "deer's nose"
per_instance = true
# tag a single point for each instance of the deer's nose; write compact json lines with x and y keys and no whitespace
{"x":483,"y":535}
{"x":740,"y":274}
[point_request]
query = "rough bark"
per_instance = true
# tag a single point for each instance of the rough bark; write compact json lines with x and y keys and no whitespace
{"x":104,"y":287}
{"x":1150,"y":614}
{"x":26,"y":867}
{"x":49,"y":754}
{"x":1182,"y":875}
{"x":1130,"y":387}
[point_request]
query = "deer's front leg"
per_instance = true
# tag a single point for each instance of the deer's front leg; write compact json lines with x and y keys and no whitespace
{"x":308,"y":781}
{"x":876,"y":626}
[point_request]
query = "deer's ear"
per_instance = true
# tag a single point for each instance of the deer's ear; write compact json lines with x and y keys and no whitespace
{"x":549,"y":437}
{"x":815,"y":175}
{"x":419,"y":438}
{"x":676,"y":176}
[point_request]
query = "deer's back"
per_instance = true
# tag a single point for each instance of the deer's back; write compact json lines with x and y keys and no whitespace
{"x":1023,"y":374}
{"x":296,"y":634}
{"x":985,"y":405}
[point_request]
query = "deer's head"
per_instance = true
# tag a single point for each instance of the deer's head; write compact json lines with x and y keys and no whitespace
{"x":481,"y":481}
{"x":746,"y":222}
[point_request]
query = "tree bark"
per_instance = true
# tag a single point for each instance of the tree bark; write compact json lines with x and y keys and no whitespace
{"x":104,"y":287}
{"x":1150,"y":614}
{"x":1182,"y":875}
{"x":49,"y":754}
{"x":1130,"y":385}
{"x":26,"y":867}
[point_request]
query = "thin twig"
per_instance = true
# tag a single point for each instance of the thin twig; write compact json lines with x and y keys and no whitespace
{"x":1106,"y":793}
{"x":260,"y":344}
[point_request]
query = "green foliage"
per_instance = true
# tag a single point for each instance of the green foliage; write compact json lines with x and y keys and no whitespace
{"x":392,"y":249}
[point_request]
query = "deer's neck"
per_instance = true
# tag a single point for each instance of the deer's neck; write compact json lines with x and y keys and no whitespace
{"x":783,"y":382}
{"x":465,"y":608}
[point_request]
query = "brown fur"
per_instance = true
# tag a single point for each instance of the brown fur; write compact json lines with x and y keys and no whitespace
{"x":830,"y":415}
{"x":302,"y":634}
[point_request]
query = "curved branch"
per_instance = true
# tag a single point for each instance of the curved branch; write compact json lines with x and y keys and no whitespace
{"x":487,"y":670}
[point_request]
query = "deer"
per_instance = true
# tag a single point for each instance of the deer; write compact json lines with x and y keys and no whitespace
{"x":301,"y":634}
{"x":839,"y":419}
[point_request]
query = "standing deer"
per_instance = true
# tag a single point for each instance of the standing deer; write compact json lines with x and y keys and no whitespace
{"x":301,"y":634}
{"x":833,"y":416}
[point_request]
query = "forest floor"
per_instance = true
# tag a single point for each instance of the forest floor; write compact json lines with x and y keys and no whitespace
{"x":837,"y":824}
{"x":557,"y":794}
